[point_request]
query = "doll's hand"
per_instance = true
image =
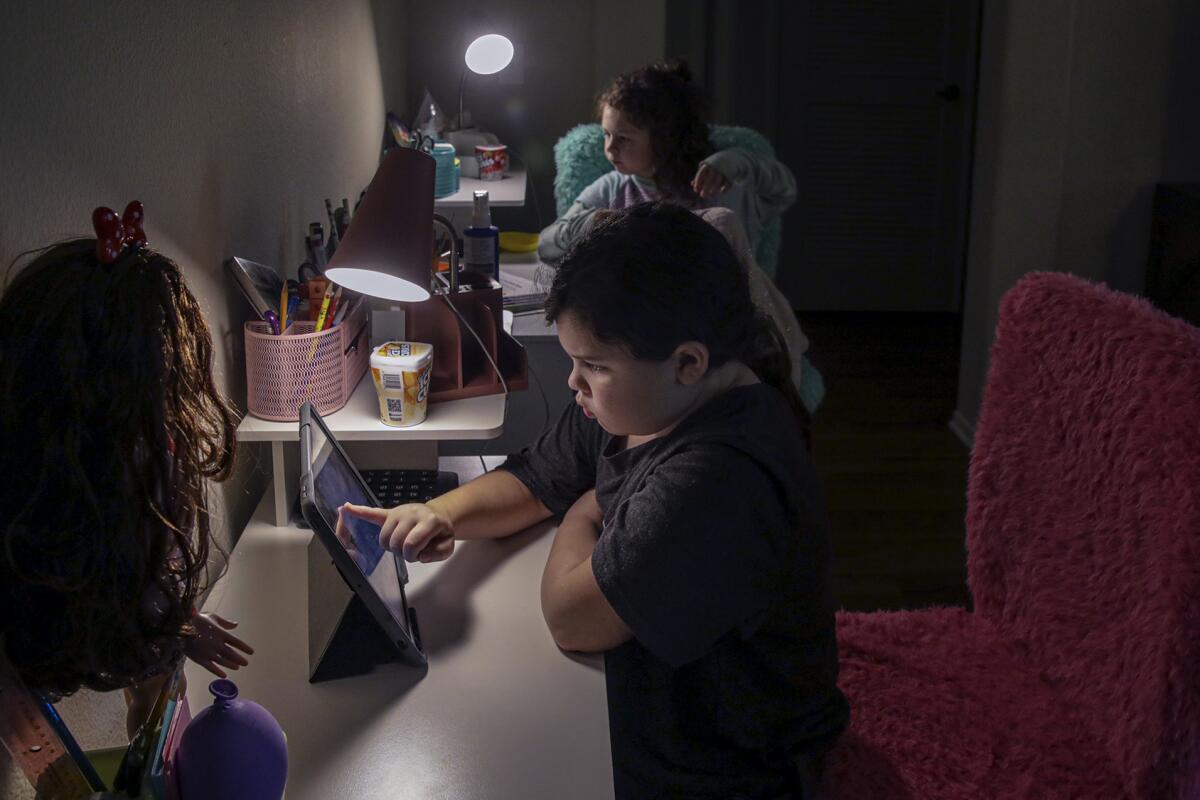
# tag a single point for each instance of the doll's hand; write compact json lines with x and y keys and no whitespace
{"x":709,"y":181}
{"x":415,"y":530}
{"x":213,"y":646}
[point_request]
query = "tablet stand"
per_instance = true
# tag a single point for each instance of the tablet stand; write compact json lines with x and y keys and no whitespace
{"x":343,"y":638}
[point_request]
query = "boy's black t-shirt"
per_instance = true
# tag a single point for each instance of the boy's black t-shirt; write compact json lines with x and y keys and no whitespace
{"x":715,"y":552}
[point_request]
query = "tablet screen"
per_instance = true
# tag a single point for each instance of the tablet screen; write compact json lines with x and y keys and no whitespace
{"x":336,"y":482}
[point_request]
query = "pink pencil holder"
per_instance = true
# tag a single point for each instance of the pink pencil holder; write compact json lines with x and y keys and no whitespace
{"x":282,"y":372}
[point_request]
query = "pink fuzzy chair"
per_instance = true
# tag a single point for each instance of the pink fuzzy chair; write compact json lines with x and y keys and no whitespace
{"x":1076,"y":674}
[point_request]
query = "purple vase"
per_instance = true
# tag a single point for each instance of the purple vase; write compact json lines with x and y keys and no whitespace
{"x":234,"y":750}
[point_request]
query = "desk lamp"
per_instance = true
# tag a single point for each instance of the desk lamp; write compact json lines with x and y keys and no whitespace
{"x":486,"y":55}
{"x":387,"y":252}
{"x":388,"y":249}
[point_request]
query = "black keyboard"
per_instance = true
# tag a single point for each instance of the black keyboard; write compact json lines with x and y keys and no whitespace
{"x":521,"y":303}
{"x":393,"y":487}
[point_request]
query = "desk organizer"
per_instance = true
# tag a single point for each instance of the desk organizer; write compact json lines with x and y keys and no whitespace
{"x":460,"y":368}
{"x":282,"y":372}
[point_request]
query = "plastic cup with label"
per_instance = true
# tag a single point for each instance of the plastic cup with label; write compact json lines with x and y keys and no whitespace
{"x":401,"y":371}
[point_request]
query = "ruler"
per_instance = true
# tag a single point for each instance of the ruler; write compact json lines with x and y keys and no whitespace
{"x":36,"y":747}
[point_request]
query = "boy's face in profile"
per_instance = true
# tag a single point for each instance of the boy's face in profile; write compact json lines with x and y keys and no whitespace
{"x":626,"y":395}
{"x":626,"y":146}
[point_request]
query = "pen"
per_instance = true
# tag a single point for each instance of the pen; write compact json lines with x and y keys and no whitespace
{"x":272,"y":319}
{"x":324,"y":308}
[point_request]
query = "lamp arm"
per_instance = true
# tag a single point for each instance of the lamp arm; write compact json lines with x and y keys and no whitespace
{"x":448,"y":229}
{"x":462,"y":85}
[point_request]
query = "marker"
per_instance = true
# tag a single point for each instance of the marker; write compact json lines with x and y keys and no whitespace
{"x":342,"y":311}
{"x":324,"y":307}
{"x":333,"y":307}
{"x":293,"y":304}
{"x":272,"y":319}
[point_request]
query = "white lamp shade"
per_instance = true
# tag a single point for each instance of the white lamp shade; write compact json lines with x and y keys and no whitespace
{"x":489,"y":54}
{"x":377,"y":283}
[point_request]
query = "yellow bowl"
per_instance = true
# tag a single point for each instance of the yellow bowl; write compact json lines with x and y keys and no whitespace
{"x":518,"y":242}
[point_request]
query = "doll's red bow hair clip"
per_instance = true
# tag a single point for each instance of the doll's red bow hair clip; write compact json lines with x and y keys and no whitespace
{"x":114,"y":234}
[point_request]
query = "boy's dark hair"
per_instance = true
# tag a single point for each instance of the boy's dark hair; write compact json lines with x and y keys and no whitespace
{"x":655,"y":275}
{"x":109,"y":426}
{"x":661,"y":99}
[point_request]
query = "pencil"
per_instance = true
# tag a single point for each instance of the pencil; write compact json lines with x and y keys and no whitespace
{"x":283,"y":308}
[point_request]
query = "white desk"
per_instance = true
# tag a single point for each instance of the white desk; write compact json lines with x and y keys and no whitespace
{"x":358,"y":420}
{"x":508,"y":191}
{"x":501,"y":713}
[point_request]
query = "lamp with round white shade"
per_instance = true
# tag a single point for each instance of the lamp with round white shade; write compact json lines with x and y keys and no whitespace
{"x":486,"y":55}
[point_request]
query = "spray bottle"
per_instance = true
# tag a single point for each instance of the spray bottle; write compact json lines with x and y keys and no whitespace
{"x":481,"y":240}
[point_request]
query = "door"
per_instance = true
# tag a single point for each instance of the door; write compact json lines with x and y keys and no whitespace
{"x":869,"y":102}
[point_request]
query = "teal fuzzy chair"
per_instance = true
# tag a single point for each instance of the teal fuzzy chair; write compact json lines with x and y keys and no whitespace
{"x":579,"y":160}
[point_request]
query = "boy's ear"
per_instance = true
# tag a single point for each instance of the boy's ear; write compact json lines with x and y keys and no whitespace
{"x":691,"y":362}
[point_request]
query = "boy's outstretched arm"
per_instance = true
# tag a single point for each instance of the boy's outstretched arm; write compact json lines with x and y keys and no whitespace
{"x":491,"y":506}
{"x":576,"y":611}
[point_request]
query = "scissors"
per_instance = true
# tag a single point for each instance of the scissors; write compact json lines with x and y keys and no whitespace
{"x":422,"y":142}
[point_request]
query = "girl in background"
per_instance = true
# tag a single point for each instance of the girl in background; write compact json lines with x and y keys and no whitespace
{"x":110,"y":426}
{"x":693,"y":549}
{"x":656,"y":138}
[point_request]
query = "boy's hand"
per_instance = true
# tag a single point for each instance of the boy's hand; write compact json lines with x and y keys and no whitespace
{"x":213,"y":646}
{"x":415,"y":530}
{"x":709,"y":182}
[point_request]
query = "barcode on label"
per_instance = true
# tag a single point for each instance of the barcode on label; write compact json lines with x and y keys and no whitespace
{"x":392,"y":380}
{"x":395,"y":408}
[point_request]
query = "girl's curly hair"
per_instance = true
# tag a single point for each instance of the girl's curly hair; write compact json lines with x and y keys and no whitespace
{"x":110,"y":426}
{"x":661,"y":99}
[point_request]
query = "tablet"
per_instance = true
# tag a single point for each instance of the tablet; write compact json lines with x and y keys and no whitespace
{"x":376,"y":576}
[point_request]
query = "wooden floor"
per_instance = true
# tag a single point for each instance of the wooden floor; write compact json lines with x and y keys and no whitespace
{"x":894,"y":474}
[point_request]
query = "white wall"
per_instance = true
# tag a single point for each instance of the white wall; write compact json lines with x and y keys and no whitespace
{"x":1084,"y":105}
{"x":230,"y":121}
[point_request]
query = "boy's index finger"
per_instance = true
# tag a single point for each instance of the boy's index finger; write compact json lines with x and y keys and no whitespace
{"x":369,"y":513}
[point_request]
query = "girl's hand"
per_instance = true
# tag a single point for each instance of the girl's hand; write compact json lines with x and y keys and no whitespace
{"x":213,"y":647}
{"x":709,"y":182}
{"x":415,"y":530}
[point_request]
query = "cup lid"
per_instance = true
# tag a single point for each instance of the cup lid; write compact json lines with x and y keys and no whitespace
{"x":401,"y":354}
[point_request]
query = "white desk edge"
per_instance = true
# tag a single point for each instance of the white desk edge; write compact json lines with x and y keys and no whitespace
{"x":472,"y":418}
{"x":508,"y":191}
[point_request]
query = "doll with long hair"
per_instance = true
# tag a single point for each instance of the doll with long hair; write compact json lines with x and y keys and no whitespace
{"x":110,"y":428}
